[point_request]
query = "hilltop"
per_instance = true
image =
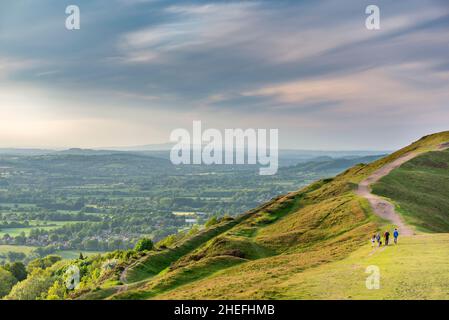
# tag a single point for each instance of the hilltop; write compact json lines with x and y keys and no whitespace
{"x":311,"y":243}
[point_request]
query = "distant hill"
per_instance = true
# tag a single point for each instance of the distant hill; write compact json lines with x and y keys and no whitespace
{"x":148,"y":147}
{"x":18,"y":151}
{"x":329,"y":163}
{"x":79,"y":151}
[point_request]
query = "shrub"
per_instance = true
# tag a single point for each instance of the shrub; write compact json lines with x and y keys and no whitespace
{"x":144,"y":244}
{"x":212,"y":221}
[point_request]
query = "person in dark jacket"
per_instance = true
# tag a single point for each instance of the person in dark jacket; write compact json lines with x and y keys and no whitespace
{"x":387,"y":237}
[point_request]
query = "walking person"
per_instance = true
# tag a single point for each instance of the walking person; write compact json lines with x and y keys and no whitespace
{"x":373,"y":241}
{"x":387,"y":237}
{"x":378,"y":239}
{"x":396,"y":235}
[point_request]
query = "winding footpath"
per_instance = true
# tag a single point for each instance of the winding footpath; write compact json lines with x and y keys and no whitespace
{"x":380,"y":206}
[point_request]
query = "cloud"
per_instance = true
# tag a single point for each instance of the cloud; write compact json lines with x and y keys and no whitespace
{"x":194,"y":26}
{"x":287,"y":64}
{"x":374,"y":87}
{"x":9,"y":66}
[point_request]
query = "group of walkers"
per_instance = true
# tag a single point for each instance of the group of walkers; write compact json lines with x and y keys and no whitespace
{"x":377,"y":238}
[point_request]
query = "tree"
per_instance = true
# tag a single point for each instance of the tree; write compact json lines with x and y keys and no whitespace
{"x":20,"y":239}
{"x":32,"y":288}
{"x":144,"y":244}
{"x":15,"y":256}
{"x":43,"y":263}
{"x":18,"y":270}
{"x":91,"y":244}
{"x":7,"y":281}
{"x":57,"y":291}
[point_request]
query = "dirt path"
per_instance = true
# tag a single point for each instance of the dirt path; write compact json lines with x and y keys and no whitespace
{"x":123,"y":280}
{"x":382,"y":207}
{"x":123,"y":276}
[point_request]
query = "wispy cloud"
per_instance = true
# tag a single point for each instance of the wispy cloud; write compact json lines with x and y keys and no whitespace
{"x":191,"y":27}
{"x":9,"y":66}
{"x":300,"y":66}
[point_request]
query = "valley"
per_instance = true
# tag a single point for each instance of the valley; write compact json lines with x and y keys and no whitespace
{"x":100,"y":201}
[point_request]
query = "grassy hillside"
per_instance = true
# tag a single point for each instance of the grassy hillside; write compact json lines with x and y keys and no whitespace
{"x":415,"y":269}
{"x":420,"y":189}
{"x":286,"y":248}
{"x":259,"y":247}
{"x":154,"y":263}
{"x":322,"y":223}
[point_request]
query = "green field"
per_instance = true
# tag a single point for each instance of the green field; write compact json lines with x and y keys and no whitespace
{"x":50,"y":225}
{"x":73,"y":254}
{"x":65,"y":255}
{"x":6,"y":248}
{"x":24,"y":249}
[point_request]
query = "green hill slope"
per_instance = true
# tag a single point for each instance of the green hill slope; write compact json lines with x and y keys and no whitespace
{"x":420,"y":189}
{"x":274,"y":251}
{"x":416,"y":268}
{"x":322,"y":223}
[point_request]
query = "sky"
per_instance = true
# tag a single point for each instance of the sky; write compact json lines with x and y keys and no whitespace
{"x":138,"y":69}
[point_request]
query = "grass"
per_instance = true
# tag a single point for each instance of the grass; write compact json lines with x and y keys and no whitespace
{"x":24,"y":249}
{"x":420,"y":190}
{"x":181,"y":276}
{"x":307,"y":244}
{"x":156,"y":262}
{"x":65,"y":255}
{"x":312,"y":233}
{"x":416,"y":268}
{"x":7,"y":248}
{"x":74,"y":254}
{"x":51,"y":225}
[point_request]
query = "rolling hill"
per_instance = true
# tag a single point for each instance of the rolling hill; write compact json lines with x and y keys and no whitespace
{"x":312,"y":243}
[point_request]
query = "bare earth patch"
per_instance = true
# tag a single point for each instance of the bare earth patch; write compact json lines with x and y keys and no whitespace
{"x":380,"y":206}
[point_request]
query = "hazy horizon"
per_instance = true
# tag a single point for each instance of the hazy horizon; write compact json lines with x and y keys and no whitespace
{"x":138,"y":69}
{"x":166,"y":145}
